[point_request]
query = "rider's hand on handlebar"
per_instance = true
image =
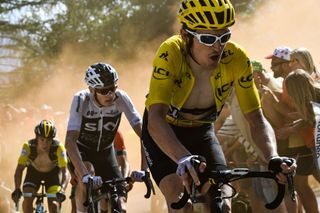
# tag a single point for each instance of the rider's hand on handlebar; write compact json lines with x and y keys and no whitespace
{"x":283,"y":166}
{"x":97,"y":180}
{"x":187,"y":171}
{"x":16,"y":195}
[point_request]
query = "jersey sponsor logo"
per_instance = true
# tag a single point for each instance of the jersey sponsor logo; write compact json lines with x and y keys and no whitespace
{"x":90,"y":127}
{"x":95,"y":126}
{"x":178,"y":82}
{"x":217,"y":76}
{"x":173,"y":111}
{"x":164,"y":56}
{"x":160,"y":73}
{"x":221,"y":91}
{"x":23,"y":152}
{"x":248,"y":62}
{"x":246,"y":81}
{"x":111,"y":126}
{"x":225,"y":59}
{"x":91,"y":113}
{"x":63,"y":154}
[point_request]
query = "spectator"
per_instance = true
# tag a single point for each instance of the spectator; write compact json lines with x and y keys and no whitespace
{"x":301,"y":90}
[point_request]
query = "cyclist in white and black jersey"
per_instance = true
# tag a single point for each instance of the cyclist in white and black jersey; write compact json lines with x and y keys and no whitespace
{"x":95,"y":116}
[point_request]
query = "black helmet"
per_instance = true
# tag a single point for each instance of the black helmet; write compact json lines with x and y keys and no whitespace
{"x":101,"y":75}
{"x":45,"y":129}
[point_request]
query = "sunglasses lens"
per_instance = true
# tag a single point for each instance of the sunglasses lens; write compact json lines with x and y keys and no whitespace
{"x":225,"y":38}
{"x":106,"y":91}
{"x":208,"y":39}
{"x":211,"y":39}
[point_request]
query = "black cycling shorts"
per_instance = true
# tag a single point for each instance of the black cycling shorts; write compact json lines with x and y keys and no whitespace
{"x":198,"y":140}
{"x":305,"y":160}
{"x":104,"y":162}
{"x":34,"y":178}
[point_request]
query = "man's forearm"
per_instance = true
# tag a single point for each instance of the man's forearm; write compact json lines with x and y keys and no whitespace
{"x":74,"y":154}
{"x":18,"y":176}
{"x":262,"y":133}
{"x":64,"y":178}
{"x":265,"y":140}
{"x":165,"y":138}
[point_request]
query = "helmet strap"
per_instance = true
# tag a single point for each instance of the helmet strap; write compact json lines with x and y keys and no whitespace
{"x":189,"y":43}
{"x":191,"y":55}
{"x":96,"y":98}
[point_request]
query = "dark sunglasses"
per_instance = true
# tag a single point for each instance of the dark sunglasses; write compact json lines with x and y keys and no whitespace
{"x":273,"y":65}
{"x":106,"y":91}
{"x":209,"y":39}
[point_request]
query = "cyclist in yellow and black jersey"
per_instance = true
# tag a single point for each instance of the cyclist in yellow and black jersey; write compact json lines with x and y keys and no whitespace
{"x":45,"y":160}
{"x":193,"y":74}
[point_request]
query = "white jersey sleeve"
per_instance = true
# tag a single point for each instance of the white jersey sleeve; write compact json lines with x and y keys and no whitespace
{"x":75,"y":117}
{"x":124,"y":104}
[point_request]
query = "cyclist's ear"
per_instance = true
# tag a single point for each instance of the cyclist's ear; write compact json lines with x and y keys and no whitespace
{"x":184,"y":34}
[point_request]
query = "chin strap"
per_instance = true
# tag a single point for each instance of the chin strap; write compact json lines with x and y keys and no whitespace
{"x":190,"y":53}
{"x":95,"y":97}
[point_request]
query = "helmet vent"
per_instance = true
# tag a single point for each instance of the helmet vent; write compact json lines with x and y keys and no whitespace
{"x":202,"y":3}
{"x":209,"y":17}
{"x":200,"y":17}
{"x":201,"y":27}
{"x":220,"y":3}
{"x":192,"y":18}
{"x":211,"y":3}
{"x":220,"y":17}
{"x":184,"y":6}
{"x":228,"y":15}
{"x":192,"y":4}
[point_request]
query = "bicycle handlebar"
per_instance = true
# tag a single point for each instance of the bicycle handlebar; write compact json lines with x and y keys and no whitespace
{"x":30,"y":194}
{"x":115,"y":181}
{"x":223,"y":177}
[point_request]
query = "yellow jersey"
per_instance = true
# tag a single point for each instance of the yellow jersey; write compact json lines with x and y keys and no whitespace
{"x":57,"y":153}
{"x":172,"y":78}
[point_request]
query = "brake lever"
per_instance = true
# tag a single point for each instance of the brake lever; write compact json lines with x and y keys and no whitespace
{"x":149,"y":185}
{"x":291,"y":187}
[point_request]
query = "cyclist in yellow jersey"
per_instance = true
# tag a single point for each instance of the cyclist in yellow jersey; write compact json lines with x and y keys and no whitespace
{"x":45,"y":160}
{"x":193,"y":74}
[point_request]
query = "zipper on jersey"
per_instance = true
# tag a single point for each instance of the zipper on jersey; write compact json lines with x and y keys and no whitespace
{"x":100,"y":126}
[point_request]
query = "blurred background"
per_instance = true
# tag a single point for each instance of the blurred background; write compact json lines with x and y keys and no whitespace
{"x":46,"y":46}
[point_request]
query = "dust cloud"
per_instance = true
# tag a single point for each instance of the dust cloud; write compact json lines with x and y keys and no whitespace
{"x":292,"y":23}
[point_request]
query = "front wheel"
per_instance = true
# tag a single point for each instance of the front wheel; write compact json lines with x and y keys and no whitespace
{"x":115,"y":204}
{"x":216,"y":202}
{"x":40,"y":209}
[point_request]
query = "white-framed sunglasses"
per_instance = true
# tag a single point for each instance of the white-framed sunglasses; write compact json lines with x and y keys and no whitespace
{"x":209,"y":39}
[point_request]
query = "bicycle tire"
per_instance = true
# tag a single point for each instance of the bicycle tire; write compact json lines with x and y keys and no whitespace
{"x":93,"y":208}
{"x":115,"y":204}
{"x":40,"y":209}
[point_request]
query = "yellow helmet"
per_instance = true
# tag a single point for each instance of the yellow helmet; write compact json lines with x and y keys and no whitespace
{"x":206,"y":14}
